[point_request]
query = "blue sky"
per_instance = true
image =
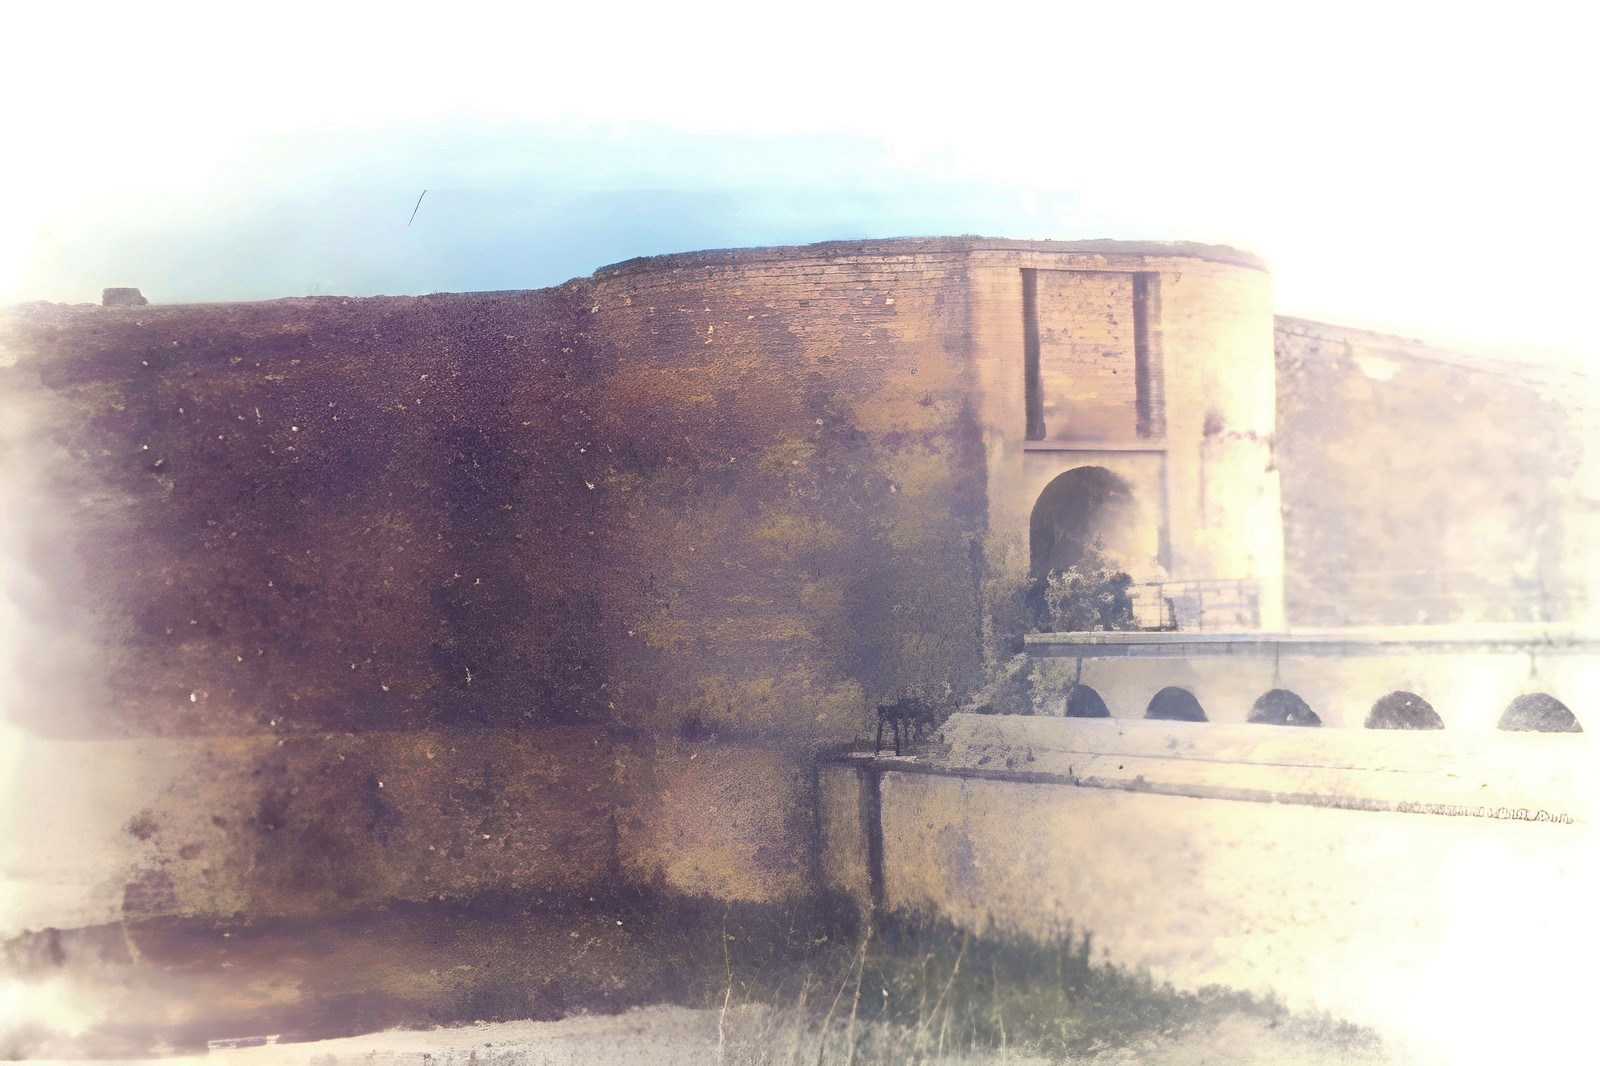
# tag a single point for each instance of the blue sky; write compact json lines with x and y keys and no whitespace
{"x":1409,"y":166}
{"x":513,"y":204}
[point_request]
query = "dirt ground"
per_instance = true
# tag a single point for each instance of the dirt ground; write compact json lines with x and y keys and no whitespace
{"x":670,"y":1036}
{"x":507,"y":982}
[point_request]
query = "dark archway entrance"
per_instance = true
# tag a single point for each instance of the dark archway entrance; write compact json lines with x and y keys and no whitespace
{"x":1077,"y":508}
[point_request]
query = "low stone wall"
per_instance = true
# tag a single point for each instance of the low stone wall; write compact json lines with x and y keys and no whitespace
{"x":1387,"y":877}
{"x":732,"y":823}
{"x":847,"y":830}
{"x":307,"y":824}
{"x":264,"y":826}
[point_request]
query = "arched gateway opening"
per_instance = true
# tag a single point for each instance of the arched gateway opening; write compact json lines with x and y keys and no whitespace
{"x":1078,"y":508}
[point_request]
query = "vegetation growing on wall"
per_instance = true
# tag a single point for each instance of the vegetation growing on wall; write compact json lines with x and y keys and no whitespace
{"x":1094,"y":594}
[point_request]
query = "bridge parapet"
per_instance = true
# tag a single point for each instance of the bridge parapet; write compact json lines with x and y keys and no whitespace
{"x":1197,"y":605}
{"x":1469,"y":675}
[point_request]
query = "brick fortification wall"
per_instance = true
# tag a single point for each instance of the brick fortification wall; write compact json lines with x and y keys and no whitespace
{"x":1424,"y":486}
{"x":318,"y":603}
{"x":441,"y":594}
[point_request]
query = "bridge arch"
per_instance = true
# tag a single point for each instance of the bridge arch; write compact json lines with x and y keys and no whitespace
{"x":1174,"y":704}
{"x":1403,"y":710}
{"x":1539,"y":712}
{"x":1085,"y":702}
{"x":1280,"y":706}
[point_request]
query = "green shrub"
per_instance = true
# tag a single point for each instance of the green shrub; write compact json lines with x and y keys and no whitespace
{"x":1092,"y":594}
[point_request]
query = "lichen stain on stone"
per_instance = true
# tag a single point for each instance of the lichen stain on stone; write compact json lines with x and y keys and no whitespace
{"x":142,"y":826}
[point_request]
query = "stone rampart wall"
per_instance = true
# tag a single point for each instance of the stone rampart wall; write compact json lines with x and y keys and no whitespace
{"x":1424,"y":486}
{"x":266,"y":554}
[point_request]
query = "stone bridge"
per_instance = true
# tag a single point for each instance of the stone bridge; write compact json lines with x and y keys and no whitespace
{"x":1472,"y":678}
{"x":1377,"y":873}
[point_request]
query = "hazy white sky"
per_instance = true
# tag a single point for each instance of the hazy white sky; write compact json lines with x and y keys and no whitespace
{"x":1420,"y":167}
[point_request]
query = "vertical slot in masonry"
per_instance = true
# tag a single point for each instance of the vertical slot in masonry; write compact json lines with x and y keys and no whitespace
{"x":1150,"y":400}
{"x":871,"y":784}
{"x":1030,"y":354}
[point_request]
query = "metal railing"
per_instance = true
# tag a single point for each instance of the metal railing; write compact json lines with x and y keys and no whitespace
{"x":1207,"y":604}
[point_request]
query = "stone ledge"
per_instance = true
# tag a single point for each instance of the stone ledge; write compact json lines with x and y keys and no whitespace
{"x":1430,"y":772}
{"x":1370,"y":640}
{"x":909,"y":247}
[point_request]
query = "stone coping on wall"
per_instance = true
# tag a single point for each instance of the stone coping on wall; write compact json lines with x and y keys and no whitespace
{"x":1355,"y":641}
{"x":1154,"y":446}
{"x":1523,"y":776}
{"x":925,"y":246}
{"x":1529,"y":365}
